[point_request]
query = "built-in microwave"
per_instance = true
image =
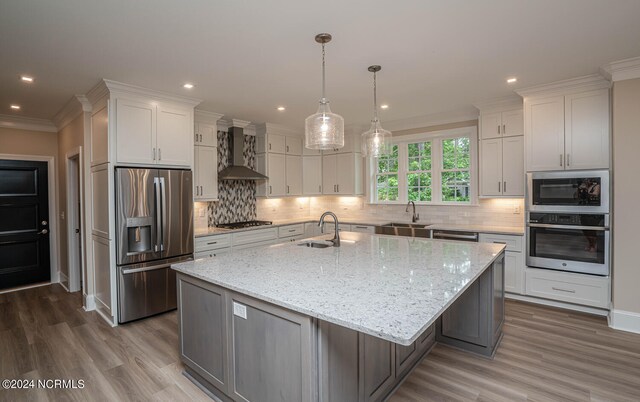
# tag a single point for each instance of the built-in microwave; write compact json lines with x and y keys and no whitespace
{"x":579,"y":191}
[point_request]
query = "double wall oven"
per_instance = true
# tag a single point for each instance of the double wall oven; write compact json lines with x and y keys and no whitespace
{"x":568,"y":221}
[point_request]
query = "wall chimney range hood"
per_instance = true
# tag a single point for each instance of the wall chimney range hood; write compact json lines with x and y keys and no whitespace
{"x":236,"y":170}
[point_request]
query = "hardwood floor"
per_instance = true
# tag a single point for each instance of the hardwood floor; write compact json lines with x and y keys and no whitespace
{"x":546,"y":355}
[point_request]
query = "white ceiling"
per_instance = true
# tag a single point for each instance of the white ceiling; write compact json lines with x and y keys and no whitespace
{"x":248,"y":57}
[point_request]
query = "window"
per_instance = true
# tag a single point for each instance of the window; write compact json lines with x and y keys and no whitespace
{"x":432,"y":168}
{"x":419,"y":168}
{"x":387,"y":177}
{"x":456,"y":175}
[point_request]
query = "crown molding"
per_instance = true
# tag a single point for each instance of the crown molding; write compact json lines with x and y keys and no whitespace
{"x":424,"y":121}
{"x":204,"y":116}
{"x":499,"y":104}
{"x":106,"y":86}
{"x":572,"y":85}
{"x":264,"y":128}
{"x":76,"y":105}
{"x":620,"y":70}
{"x":247,"y":126}
{"x":27,"y":123}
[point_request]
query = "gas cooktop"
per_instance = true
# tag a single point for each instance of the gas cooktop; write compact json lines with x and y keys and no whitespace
{"x":240,"y":225}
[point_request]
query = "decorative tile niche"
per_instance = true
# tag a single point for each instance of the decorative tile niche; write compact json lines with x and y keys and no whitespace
{"x":236,"y":198}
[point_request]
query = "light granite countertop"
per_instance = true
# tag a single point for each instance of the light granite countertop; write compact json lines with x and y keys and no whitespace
{"x":493,"y":229}
{"x":389,"y":287}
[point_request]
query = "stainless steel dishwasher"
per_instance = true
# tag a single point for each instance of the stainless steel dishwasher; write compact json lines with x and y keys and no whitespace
{"x":455,"y":235}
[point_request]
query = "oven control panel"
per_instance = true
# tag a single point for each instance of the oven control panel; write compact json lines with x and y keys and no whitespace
{"x":567,"y":219}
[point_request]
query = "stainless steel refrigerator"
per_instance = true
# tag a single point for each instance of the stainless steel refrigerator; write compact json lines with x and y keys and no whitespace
{"x":154,"y":229}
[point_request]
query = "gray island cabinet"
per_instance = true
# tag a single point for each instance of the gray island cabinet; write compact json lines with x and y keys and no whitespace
{"x":291,"y":323}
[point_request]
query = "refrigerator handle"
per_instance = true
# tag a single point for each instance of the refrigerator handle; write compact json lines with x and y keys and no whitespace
{"x":164,"y":211}
{"x":156,"y":189}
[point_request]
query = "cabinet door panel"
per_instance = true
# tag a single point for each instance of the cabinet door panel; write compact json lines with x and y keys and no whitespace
{"x":203,"y":343}
{"x":544,"y":126}
{"x":311,"y":175}
{"x":277,"y":175}
{"x":338,"y":354}
{"x":512,"y":123}
{"x":513,"y":166}
{"x":276,"y":143}
{"x":491,"y":167}
{"x":377,"y":366}
{"x":293,"y":145}
{"x":294,"y":175}
{"x":587,"y":130}
{"x":207,"y":135}
{"x":135,"y":131}
{"x":466,"y":319}
{"x":490,"y":125}
{"x":270,"y":358}
{"x":174,"y":139}
{"x":345,"y":173}
{"x":513,"y":272}
{"x":329,"y":174}
{"x":206,"y":172}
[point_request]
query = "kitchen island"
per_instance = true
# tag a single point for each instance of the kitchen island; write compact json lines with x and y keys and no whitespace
{"x":296,"y":323}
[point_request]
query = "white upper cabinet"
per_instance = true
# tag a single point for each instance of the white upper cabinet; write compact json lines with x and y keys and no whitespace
{"x":293,"y":145}
{"x":173,"y":141}
{"x":502,"y":124}
{"x":149,"y":133}
{"x":276,"y":143}
{"x":277,"y":173}
{"x":342,"y":174}
{"x":311,"y":175}
{"x":294,"y":174}
{"x":491,"y":167}
{"x":135,"y":132}
{"x":206,"y":135}
{"x":586,"y":133}
{"x":513,"y":176}
{"x":567,"y":125}
{"x":544,"y":133}
{"x":351,"y":144}
{"x":206,"y":173}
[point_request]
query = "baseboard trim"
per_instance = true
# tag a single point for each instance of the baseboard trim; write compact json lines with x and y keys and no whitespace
{"x":89,"y":303}
{"x":559,"y":304}
{"x":62,"y":278}
{"x":625,"y":321}
{"x":19,"y":288}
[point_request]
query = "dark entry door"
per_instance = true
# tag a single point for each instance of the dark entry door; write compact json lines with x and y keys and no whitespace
{"x":24,"y":223}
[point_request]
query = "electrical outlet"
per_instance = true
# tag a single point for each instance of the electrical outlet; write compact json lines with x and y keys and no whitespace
{"x":516,"y":209}
{"x":240,"y":310}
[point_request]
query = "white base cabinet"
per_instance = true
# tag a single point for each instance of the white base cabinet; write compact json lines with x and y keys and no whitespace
{"x":587,"y":290}
{"x":514,"y":261}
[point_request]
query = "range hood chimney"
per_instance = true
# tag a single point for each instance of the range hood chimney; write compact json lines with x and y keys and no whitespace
{"x":236,"y":170}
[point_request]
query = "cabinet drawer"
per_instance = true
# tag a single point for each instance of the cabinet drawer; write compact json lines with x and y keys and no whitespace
{"x":514,"y":243}
{"x":573,"y":288}
{"x":254,"y":236}
{"x":291,"y":230}
{"x":330,"y":228}
{"x":211,"y":253}
{"x":363,"y":228}
{"x":212,"y":242}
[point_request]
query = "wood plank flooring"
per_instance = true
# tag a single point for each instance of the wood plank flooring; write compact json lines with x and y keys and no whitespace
{"x":546,"y":355}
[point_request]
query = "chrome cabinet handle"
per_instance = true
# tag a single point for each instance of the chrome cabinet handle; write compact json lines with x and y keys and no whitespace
{"x":319,"y":189}
{"x":270,"y":189}
{"x":498,"y":128}
{"x":338,"y":187}
{"x":499,"y":187}
{"x":560,"y":159}
{"x":504,"y":186}
{"x":159,"y":154}
{"x":154,"y":154}
{"x":196,"y":137}
{"x":568,"y":163}
{"x":269,"y":146}
{"x":287,"y":189}
{"x":563,"y":290}
{"x":212,"y":242}
{"x":287,"y":148}
{"x":200,"y":137}
{"x":504,"y":129}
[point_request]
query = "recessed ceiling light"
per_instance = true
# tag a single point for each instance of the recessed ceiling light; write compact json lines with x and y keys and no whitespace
{"x":188,"y":86}
{"x":15,"y":107}
{"x":26,"y":78}
{"x":511,"y":80}
{"x":281,"y":108}
{"x":384,"y":106}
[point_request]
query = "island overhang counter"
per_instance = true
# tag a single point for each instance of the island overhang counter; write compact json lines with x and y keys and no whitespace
{"x":288,"y":322}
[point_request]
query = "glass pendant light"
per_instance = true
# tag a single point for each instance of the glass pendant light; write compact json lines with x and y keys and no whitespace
{"x":376,"y":141}
{"x":324,"y":130}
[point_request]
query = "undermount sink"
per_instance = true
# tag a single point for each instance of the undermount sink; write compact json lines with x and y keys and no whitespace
{"x":408,"y":225}
{"x":404,"y":229}
{"x":315,"y":244}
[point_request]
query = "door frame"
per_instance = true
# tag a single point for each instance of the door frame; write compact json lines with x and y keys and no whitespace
{"x":54,"y":256}
{"x":75,"y":246}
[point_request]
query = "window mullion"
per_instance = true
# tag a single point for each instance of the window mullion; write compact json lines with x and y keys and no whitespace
{"x":403,"y":169}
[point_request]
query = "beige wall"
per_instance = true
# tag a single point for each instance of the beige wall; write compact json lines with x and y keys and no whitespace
{"x":626,"y":217}
{"x":25,"y":142}
{"x":70,"y":137}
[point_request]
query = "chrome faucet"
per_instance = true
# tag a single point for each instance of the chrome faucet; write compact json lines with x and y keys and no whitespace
{"x":415,"y":216}
{"x":336,"y":235}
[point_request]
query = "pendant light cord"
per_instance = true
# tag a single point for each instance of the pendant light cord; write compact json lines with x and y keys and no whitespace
{"x":375,"y":99}
{"x":324,"y":98}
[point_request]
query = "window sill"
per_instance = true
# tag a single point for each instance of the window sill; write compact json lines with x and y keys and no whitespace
{"x":435,"y":204}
